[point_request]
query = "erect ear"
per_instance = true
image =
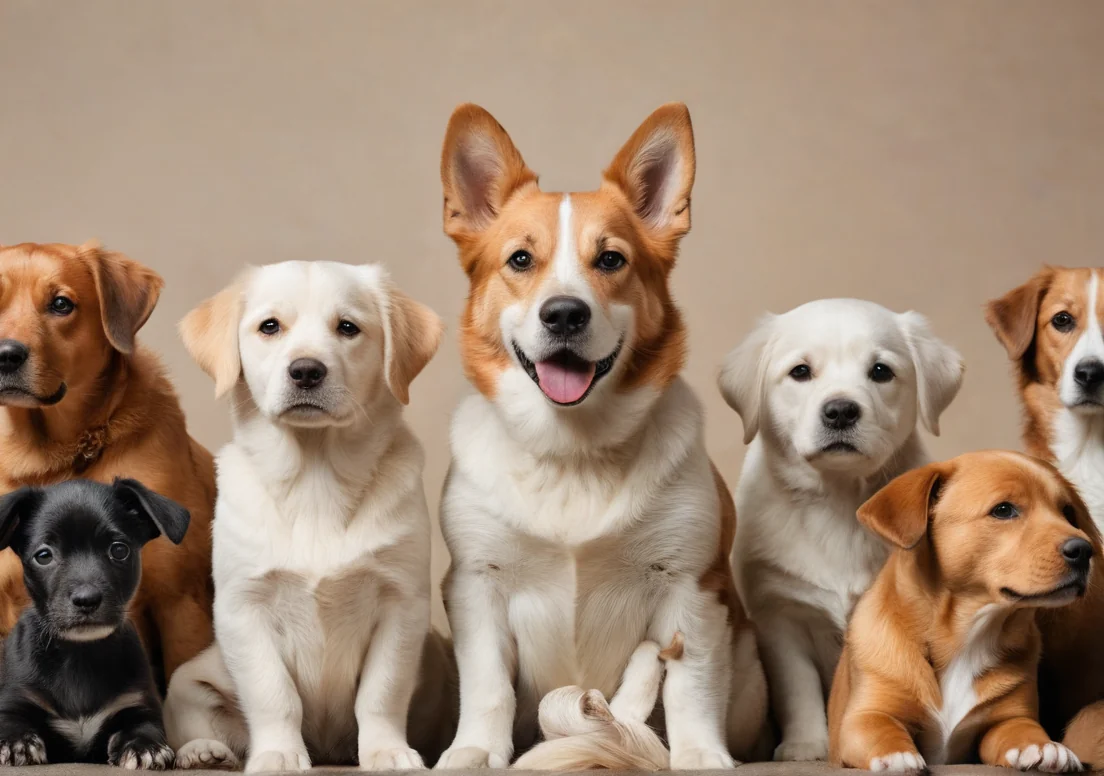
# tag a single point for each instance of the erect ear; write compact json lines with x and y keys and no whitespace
{"x":162,"y":516}
{"x":743,"y":376}
{"x":128,"y":292}
{"x":1013,"y":317}
{"x":16,"y":508}
{"x":411,"y":334}
{"x":655,"y":169}
{"x":210,"y":334}
{"x":480,"y":169}
{"x":899,"y":512}
{"x":939,"y":369}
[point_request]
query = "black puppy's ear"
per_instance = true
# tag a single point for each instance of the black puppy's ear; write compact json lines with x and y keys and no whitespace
{"x":164,"y":515}
{"x":15,"y":508}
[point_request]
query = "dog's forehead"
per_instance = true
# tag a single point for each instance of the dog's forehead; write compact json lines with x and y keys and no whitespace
{"x":1070,"y":288}
{"x":74,"y":511}
{"x":847,"y":327}
{"x":319,"y":286}
{"x":33,"y":265}
{"x":983,"y":479}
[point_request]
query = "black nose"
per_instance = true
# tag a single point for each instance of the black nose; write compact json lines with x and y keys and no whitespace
{"x":12,"y":356}
{"x":564,"y":315}
{"x":1077,"y":553}
{"x":87,"y":599}
{"x":840,"y":413}
{"x":1089,"y":374}
{"x":307,"y":372}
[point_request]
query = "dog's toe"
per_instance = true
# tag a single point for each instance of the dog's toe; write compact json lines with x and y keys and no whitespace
{"x":391,"y":760}
{"x":801,"y":751}
{"x":701,"y":760}
{"x":464,"y":757}
{"x":25,"y":750}
{"x":264,"y":762}
{"x":899,"y":762}
{"x":206,"y":753}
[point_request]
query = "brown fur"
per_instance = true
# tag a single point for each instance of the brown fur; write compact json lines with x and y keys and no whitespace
{"x":119,"y":417}
{"x":952,"y":559}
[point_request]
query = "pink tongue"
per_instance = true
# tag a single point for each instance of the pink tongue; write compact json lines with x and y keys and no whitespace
{"x":563,"y":385}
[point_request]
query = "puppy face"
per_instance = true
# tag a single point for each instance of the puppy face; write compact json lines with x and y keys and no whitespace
{"x":1053,"y":327}
{"x":1000,"y":525}
{"x":63,"y":310}
{"x":840,"y":383}
{"x":79,"y":543}
{"x":569,"y":299}
{"x":313,"y":343}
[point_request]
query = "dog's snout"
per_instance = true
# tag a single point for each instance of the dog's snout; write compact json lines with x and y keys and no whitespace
{"x":840,"y":414}
{"x":565,"y":315}
{"x":1077,"y":553}
{"x":86,"y":598}
{"x":307,"y":372}
{"x":12,"y":355}
{"x":1089,"y":374}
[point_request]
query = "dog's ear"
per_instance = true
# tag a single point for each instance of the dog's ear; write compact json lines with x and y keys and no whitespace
{"x":480,"y":170}
{"x":899,"y":512}
{"x":210,"y":334}
{"x":128,"y":292}
{"x":1013,"y":317}
{"x":743,"y":376}
{"x":160,"y":516}
{"x":655,"y":170}
{"x":16,"y":509}
{"x":939,"y":369}
{"x":411,"y":333}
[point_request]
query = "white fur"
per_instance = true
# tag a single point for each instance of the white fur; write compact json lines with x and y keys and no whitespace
{"x":321,"y":545}
{"x":82,"y":731}
{"x":801,"y":558}
{"x":1050,"y":758}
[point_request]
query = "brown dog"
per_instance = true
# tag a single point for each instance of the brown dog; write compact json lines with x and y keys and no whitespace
{"x":941,"y":657}
{"x":80,"y":399}
{"x":1051,"y":327}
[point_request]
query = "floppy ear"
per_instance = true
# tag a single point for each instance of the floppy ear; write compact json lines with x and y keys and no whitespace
{"x":210,"y":334}
{"x":743,"y":376}
{"x":128,"y":292}
{"x":162,"y":515}
{"x":480,"y":169}
{"x":15,"y":509}
{"x":899,"y":512}
{"x":1013,"y":317}
{"x":655,"y":169}
{"x":411,"y":335}
{"x":939,"y":369}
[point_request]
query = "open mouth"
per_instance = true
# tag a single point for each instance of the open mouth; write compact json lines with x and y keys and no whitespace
{"x":16,"y":393}
{"x":1067,"y":591}
{"x":564,"y":377}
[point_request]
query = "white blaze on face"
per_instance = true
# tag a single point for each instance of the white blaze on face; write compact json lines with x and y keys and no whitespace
{"x":1089,"y":347}
{"x":566,"y":263}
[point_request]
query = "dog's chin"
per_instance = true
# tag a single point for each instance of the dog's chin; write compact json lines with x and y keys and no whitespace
{"x":86,"y":632}
{"x":1086,"y":405}
{"x":1062,"y":594}
{"x":837,"y":455}
{"x":13,"y":395}
{"x":310,"y":415}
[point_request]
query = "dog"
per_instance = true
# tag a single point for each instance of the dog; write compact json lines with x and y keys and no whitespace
{"x":322,"y":533}
{"x":76,"y":683}
{"x":940,"y":663}
{"x":830,"y":394}
{"x":80,"y":398}
{"x":1051,"y":327}
{"x":581,"y":511}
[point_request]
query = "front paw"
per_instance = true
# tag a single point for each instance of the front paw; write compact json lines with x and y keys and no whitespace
{"x":26,"y":749}
{"x":277,"y":761}
{"x":206,"y":754}
{"x":139,"y":752}
{"x":1050,"y":758}
{"x":899,"y":762}
{"x":460,"y":757}
{"x":801,"y":751}
{"x":401,"y":759}
{"x":701,"y":760}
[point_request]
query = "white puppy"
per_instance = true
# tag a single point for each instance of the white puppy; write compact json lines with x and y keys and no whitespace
{"x":322,"y":535}
{"x":829,"y":394}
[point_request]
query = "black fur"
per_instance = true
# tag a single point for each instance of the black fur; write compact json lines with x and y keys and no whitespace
{"x":80,"y":543}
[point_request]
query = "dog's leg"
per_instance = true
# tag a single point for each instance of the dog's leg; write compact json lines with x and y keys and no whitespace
{"x":136,"y":739}
{"x":487,"y":661}
{"x":1021,"y":743}
{"x":22,"y":731}
{"x":202,"y":720}
{"x":796,"y":691}
{"x":878,"y":741}
{"x":387,"y":684}
{"x":1085,"y":735}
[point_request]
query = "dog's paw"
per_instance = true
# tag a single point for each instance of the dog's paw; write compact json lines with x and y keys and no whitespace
{"x":1050,"y":758}
{"x":139,"y":753}
{"x":462,"y":757}
{"x":400,"y":759}
{"x":263,"y":762}
{"x":801,"y":751}
{"x":899,"y":762}
{"x":701,"y":760}
{"x":26,"y":749}
{"x":204,"y":754}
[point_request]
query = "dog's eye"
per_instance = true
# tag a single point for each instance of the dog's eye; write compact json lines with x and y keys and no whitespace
{"x":610,"y":261}
{"x":1004,"y":511}
{"x":880,"y":373}
{"x":801,"y":373}
{"x":1070,"y":514}
{"x":44,"y":557}
{"x":61,"y":305}
{"x":269,"y":326}
{"x":1063,"y":321}
{"x":118,"y":551}
{"x":348,"y":328}
{"x":520,"y":260}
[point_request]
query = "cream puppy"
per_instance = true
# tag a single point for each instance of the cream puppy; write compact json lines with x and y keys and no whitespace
{"x":322,"y":536}
{"x":830,"y":394}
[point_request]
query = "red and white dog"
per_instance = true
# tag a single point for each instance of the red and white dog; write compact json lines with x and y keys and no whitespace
{"x":582,"y":512}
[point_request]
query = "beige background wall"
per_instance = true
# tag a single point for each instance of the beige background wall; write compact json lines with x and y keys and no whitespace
{"x":926,"y":155}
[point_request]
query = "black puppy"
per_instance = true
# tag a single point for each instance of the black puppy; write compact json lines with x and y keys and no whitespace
{"x":75,"y":683}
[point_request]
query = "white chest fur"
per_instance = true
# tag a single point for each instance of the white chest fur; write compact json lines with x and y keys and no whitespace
{"x":1078,"y":449}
